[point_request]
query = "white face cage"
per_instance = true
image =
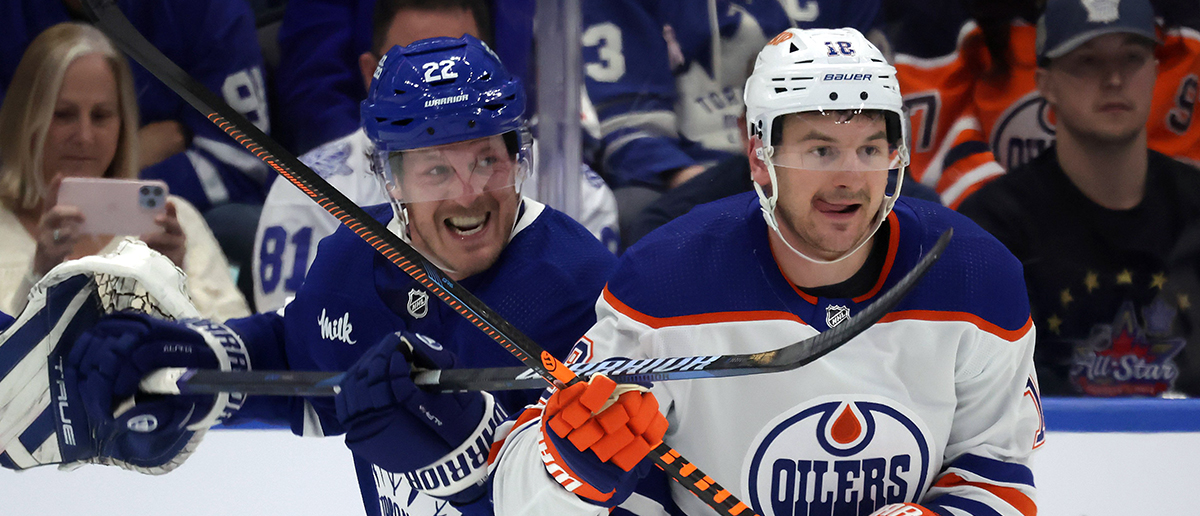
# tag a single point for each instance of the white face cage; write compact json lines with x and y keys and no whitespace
{"x":822,"y":70}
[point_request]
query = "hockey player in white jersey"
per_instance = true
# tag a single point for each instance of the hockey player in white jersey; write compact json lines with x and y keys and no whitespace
{"x":292,"y":225}
{"x":934,"y":410}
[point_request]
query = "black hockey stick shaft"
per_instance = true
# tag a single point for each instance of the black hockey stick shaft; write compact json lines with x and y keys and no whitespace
{"x":297,"y":383}
{"x":109,"y":19}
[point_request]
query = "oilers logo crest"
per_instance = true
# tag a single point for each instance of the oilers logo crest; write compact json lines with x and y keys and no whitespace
{"x":840,"y":456}
{"x":1024,"y":130}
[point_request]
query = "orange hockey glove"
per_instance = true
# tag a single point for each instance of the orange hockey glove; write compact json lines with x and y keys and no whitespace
{"x":596,"y":437}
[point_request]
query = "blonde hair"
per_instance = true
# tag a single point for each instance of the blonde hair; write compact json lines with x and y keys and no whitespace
{"x":29,"y":105}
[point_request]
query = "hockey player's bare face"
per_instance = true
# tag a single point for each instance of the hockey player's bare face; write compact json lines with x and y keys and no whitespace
{"x":461,"y":202}
{"x":831,"y":175}
{"x":85,"y":125}
{"x":1102,"y":90}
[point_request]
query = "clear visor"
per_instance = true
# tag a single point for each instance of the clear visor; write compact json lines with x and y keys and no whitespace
{"x":451,"y":171}
{"x":836,"y":141}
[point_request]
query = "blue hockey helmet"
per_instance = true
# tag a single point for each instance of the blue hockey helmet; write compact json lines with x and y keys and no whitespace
{"x":438,"y":91}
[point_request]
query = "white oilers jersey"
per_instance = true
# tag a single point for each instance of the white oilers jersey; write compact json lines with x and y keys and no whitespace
{"x":292,"y":224}
{"x":937,"y":404}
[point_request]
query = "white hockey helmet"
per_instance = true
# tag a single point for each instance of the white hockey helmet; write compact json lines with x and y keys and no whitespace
{"x":823,"y":70}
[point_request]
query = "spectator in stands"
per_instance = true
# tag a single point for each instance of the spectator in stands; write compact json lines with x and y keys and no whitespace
{"x":1095,"y":218}
{"x":975,"y":108}
{"x":71,"y":111}
{"x":666,"y":79}
{"x":318,"y":83}
{"x":213,"y":41}
{"x":292,"y":224}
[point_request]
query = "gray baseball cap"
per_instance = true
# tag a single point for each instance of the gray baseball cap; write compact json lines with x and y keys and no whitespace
{"x":1067,"y":24}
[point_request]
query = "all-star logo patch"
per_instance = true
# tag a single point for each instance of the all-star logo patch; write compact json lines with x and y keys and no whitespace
{"x":418,"y":303}
{"x":836,"y":314}
{"x":1127,"y":358}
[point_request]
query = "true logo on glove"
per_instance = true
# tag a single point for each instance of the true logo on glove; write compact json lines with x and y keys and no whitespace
{"x":67,"y":430}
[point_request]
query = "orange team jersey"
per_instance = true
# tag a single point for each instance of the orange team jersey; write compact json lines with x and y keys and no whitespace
{"x":967,"y":129}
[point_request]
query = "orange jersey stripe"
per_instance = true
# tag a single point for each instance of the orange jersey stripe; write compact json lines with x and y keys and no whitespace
{"x":697,"y":319}
{"x":979,"y":322}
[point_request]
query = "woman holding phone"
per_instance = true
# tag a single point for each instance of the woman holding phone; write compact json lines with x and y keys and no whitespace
{"x":71,"y":111}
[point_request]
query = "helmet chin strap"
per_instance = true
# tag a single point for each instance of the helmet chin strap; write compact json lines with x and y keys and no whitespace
{"x":768,"y":203}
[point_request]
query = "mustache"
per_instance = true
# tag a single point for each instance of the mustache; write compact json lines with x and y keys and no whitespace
{"x":845,"y":196}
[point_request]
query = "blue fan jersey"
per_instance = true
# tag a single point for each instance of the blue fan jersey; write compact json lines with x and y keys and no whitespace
{"x":663,"y":101}
{"x":212,"y":40}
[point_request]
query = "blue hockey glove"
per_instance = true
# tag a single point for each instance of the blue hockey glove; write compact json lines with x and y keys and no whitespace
{"x":111,"y":422}
{"x":439,"y":441}
{"x":596,"y":438}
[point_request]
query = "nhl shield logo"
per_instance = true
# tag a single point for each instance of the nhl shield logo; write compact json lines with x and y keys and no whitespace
{"x":835,"y":314}
{"x":418,"y":303}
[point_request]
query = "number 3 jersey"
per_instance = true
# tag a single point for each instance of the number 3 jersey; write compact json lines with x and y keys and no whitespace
{"x":936,"y":404}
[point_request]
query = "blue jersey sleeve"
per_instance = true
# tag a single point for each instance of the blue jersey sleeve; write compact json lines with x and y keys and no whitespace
{"x":318,"y":82}
{"x":628,"y":77}
{"x":662,"y":102}
{"x":215,"y":42}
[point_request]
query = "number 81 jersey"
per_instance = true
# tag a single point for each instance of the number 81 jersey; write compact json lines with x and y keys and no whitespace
{"x":291,"y":225}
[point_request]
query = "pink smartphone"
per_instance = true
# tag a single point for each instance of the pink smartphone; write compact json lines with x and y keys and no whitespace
{"x":115,"y":206}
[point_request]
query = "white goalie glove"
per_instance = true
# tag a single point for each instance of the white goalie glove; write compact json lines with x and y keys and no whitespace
{"x":66,"y":362}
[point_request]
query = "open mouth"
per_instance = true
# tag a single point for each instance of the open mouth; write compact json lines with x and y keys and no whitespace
{"x":467,"y":226}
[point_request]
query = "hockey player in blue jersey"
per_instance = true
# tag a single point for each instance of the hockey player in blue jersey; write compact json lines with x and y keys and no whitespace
{"x":445,"y":119}
{"x":291,"y":224}
{"x":934,"y":410}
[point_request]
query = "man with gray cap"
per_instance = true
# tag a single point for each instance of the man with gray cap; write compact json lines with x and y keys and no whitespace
{"x":1094,"y":218}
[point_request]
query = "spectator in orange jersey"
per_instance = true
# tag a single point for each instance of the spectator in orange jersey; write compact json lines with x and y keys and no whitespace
{"x":1096,"y":219}
{"x":976,"y":112}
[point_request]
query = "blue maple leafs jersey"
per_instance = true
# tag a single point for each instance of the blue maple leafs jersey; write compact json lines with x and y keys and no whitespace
{"x":213,"y":41}
{"x":545,"y":282}
{"x":663,"y":101}
{"x":936,"y":404}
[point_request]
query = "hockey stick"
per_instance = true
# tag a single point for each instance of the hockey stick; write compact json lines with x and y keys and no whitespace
{"x":109,"y":19}
{"x":792,"y":356}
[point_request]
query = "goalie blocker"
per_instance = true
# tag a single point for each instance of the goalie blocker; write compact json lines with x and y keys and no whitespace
{"x":59,"y":375}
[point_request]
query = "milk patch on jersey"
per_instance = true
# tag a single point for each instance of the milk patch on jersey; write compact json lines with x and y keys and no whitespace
{"x":840,"y":454}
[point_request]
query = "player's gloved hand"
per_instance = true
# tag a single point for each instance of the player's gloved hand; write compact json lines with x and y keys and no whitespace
{"x":596,"y":438}
{"x":439,"y":441}
{"x":103,"y":419}
{"x":903,"y":509}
